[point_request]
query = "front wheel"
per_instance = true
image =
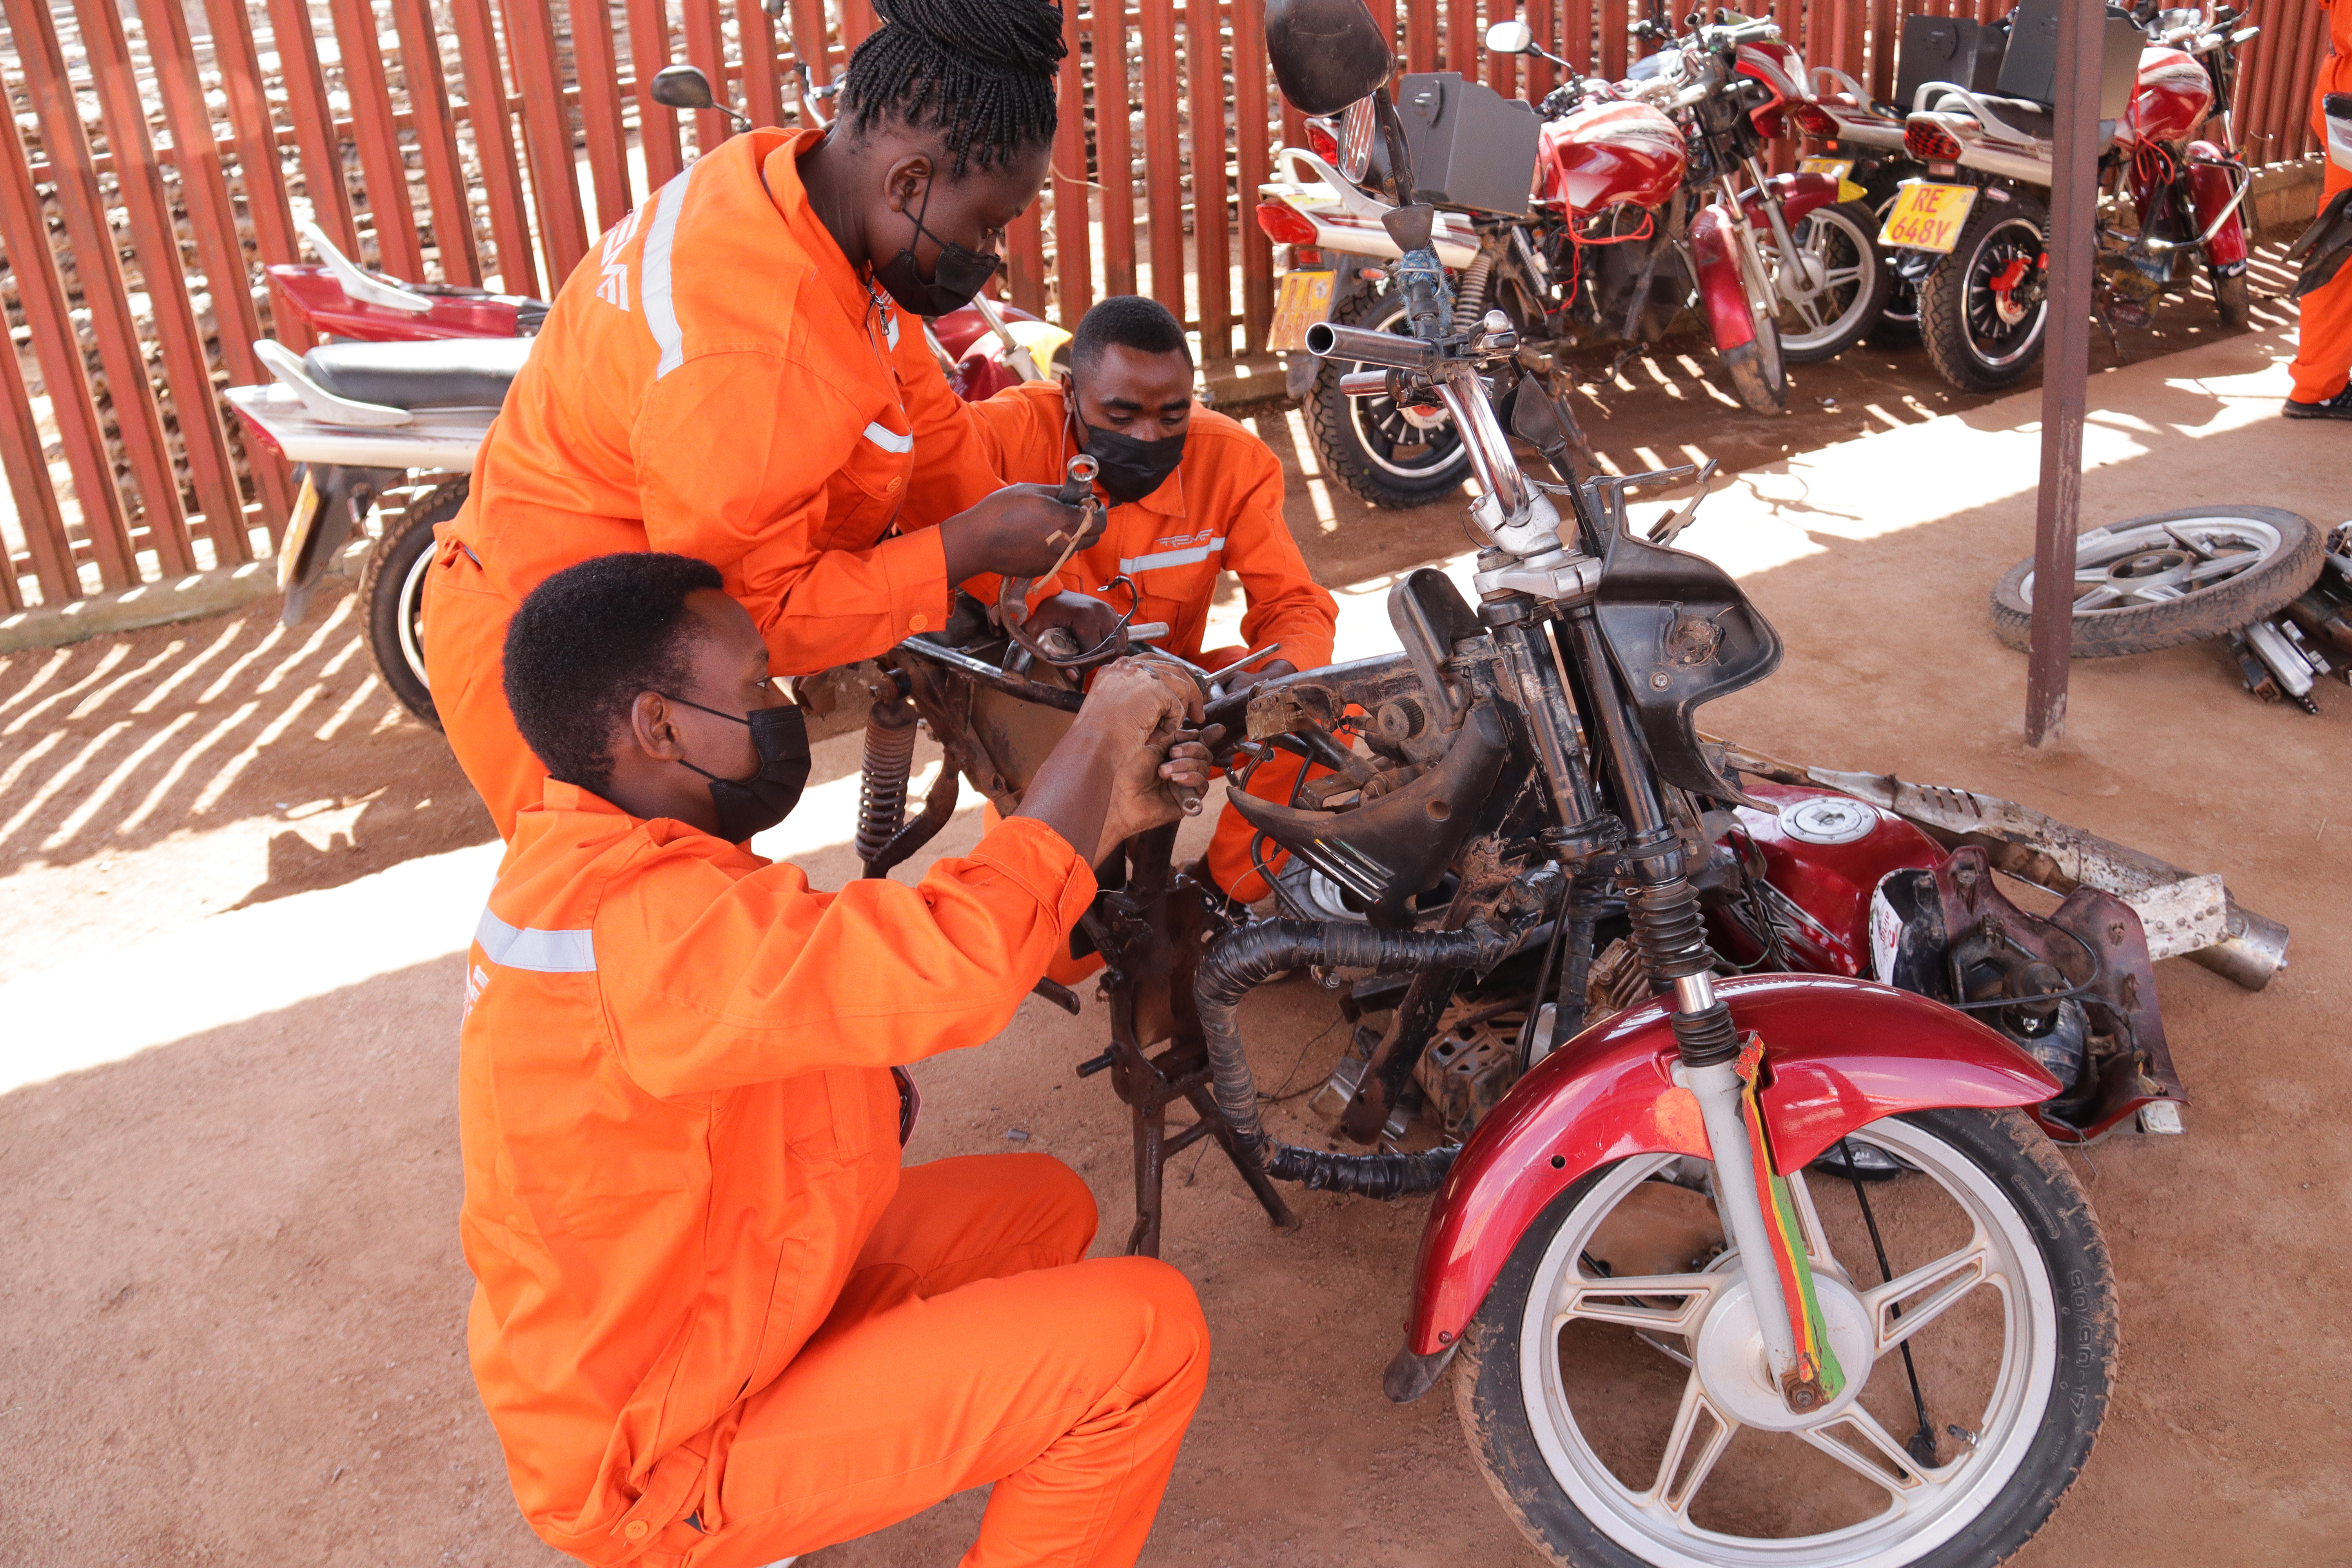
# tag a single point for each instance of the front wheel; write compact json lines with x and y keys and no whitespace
{"x":1613,"y":1387}
{"x":1759,"y":379}
{"x":1388,"y":455}
{"x":1982,"y":309}
{"x":1833,"y":291}
{"x":2234,"y":300}
{"x":391,"y":594}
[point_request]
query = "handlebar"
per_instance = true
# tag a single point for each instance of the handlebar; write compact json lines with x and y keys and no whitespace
{"x":1325,"y":341}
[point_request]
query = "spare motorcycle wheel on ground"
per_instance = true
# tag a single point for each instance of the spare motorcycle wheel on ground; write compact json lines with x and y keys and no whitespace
{"x":2171,"y":577}
{"x":1387,"y":455}
{"x":392,"y":592}
{"x":1613,"y":1390}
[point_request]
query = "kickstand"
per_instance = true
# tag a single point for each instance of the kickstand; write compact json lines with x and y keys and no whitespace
{"x":1148,"y":1088}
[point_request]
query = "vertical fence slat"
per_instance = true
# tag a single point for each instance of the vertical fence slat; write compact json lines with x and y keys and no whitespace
{"x":1502,"y":70}
{"x":40,"y":293}
{"x":597,"y":71}
{"x":494,"y":145}
{"x":1419,"y":36}
{"x":313,"y":118}
{"x":2295,"y":138}
{"x":1024,"y":261}
{"x":1256,"y":165}
{"x":1074,"y":266}
{"x":1163,"y":170}
{"x":1885,"y":31}
{"x":809,"y":48}
{"x":1539,"y":71}
{"x":707,"y":47}
{"x":1205,"y":54}
{"x":1461,"y":25}
{"x":436,"y":142}
{"x":857,"y":21}
{"x":649,"y":50}
{"x":378,"y":138}
{"x":139,"y":180}
{"x":547,"y":137}
{"x":1114,"y":146}
{"x":2276,"y":39}
{"x":1612,"y":39}
{"x":204,"y":191}
{"x":763,"y":98}
{"x":27,"y":478}
{"x":257,"y":168}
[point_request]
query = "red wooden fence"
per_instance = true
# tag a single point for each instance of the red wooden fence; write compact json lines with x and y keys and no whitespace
{"x":156,"y":155}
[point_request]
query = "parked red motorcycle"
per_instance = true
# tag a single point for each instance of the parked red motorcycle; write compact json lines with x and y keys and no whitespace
{"x":383,"y":421}
{"x":1984,"y":208}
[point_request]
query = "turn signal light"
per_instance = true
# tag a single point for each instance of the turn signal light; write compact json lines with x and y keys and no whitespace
{"x":1930,"y":142}
{"x":1321,"y":142}
{"x":260,"y":434}
{"x":1813,"y":122}
{"x":1284,"y":224}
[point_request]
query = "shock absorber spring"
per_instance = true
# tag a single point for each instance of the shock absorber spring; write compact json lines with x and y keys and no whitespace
{"x":1470,"y":296}
{"x":889,"y":762}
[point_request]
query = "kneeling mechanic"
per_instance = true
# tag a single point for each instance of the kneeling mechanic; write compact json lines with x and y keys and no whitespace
{"x":715,"y":1322}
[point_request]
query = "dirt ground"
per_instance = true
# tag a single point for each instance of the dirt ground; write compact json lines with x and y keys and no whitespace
{"x":231,"y":1279}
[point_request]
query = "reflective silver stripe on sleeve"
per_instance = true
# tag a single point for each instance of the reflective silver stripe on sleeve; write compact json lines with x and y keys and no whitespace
{"x":547,"y":952}
{"x":890,"y":440}
{"x":661,"y":311}
{"x":1199,"y":552}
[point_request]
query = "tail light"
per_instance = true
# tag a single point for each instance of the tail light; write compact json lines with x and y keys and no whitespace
{"x":260,"y":433}
{"x":1284,"y":224}
{"x":1321,"y":141}
{"x":1813,"y":122}
{"x":1930,"y":142}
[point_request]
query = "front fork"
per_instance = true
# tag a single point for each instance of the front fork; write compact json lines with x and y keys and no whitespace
{"x":1790,"y":278}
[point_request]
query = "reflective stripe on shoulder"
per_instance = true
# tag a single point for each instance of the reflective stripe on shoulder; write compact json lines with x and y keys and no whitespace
{"x":661,"y":310}
{"x":890,"y":440}
{"x":1199,"y":552}
{"x":547,"y":952}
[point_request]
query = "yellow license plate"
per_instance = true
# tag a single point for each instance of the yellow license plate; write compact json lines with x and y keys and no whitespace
{"x":1836,"y":169}
{"x":1304,"y":300}
{"x":1928,"y":218}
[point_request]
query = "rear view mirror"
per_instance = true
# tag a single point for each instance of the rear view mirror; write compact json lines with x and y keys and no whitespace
{"x":1325,"y":53}
{"x":682,"y":87}
{"x":1512,"y":37}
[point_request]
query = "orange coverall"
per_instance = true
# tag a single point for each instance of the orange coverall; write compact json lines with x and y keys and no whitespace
{"x":1220,"y":511}
{"x":715,"y":1324}
{"x":2322,"y":354}
{"x":715,"y":379}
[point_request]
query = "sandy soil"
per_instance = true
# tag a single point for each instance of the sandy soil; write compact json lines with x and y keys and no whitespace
{"x":231,"y":1279}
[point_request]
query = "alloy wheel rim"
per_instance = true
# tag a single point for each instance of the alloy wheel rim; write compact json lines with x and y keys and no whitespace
{"x":1996,"y":343}
{"x":1925,"y":1505}
{"x":411,"y":616}
{"x":2160,"y":562}
{"x":1830,"y":247}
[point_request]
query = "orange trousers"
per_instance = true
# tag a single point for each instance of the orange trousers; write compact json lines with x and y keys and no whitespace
{"x":465,"y":660}
{"x":971,"y":1346}
{"x":2322,"y":350}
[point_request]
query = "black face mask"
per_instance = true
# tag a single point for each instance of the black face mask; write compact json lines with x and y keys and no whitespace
{"x":1128,"y":469}
{"x":751,"y":805}
{"x":958,"y":275}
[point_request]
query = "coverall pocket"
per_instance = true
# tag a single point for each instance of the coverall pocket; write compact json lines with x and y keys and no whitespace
{"x":870,"y":486}
{"x":835,"y":1113}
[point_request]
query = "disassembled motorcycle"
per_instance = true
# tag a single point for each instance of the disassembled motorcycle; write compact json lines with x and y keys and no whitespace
{"x":1682,"y":1025}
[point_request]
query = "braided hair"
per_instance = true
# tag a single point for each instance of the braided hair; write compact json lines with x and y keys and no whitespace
{"x":982,"y":72}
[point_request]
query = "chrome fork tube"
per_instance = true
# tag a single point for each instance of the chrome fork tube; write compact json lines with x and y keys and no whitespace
{"x":1716,"y":1088}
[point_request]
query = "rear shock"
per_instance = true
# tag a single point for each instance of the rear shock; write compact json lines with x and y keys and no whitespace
{"x":889,"y":762}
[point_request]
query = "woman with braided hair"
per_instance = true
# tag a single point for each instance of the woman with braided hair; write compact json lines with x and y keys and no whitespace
{"x":732,"y":374}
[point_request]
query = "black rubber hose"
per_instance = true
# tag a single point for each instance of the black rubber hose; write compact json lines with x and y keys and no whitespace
{"x":1248,"y":957}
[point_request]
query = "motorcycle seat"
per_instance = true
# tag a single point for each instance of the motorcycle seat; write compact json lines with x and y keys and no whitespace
{"x":448,"y":373}
{"x":2035,"y":119}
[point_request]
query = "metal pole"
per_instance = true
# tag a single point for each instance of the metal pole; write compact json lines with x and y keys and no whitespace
{"x":2066,"y":367}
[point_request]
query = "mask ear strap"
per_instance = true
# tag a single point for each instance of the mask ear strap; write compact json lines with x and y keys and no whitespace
{"x":684,"y":703}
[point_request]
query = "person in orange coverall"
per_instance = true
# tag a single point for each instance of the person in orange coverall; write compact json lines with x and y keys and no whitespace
{"x":736,"y":372}
{"x":2323,"y":357}
{"x":715,"y":1322}
{"x":1192,"y":495}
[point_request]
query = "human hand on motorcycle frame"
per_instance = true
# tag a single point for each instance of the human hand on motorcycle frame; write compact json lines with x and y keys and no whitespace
{"x":1021,"y":531}
{"x":1116,"y":773}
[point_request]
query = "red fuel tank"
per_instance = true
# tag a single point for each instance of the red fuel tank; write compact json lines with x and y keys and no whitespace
{"x":2170,"y":99}
{"x":1610,"y":154}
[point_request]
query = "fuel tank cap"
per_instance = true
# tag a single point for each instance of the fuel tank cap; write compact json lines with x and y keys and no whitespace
{"x":1828,"y":819}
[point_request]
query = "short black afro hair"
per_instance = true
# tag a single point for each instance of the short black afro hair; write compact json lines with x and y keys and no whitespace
{"x":1128,"y":321}
{"x":586,"y":642}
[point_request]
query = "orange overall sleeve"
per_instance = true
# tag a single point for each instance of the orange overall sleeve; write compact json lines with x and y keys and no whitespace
{"x":1284,"y":601}
{"x":724,"y":981}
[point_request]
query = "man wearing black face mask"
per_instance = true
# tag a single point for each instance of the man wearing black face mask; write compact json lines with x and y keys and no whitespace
{"x":716,"y":1319}
{"x":1193,"y":495}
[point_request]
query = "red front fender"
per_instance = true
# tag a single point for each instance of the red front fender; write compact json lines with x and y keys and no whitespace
{"x":1844,"y":1053}
{"x":2212,"y":181}
{"x":1801,"y":195}
{"x":1720,"y":295}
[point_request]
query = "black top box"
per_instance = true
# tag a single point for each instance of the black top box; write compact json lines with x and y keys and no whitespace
{"x":1471,"y":146}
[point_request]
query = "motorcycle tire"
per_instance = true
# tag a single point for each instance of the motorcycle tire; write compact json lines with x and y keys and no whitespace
{"x":1760,"y":378}
{"x":2234,"y":300}
{"x":391,"y":594}
{"x":1849,"y":233}
{"x":2031,"y":1442}
{"x":1897,"y":326}
{"x":1960,"y":318}
{"x":2287,"y":554}
{"x":1360,"y":439}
